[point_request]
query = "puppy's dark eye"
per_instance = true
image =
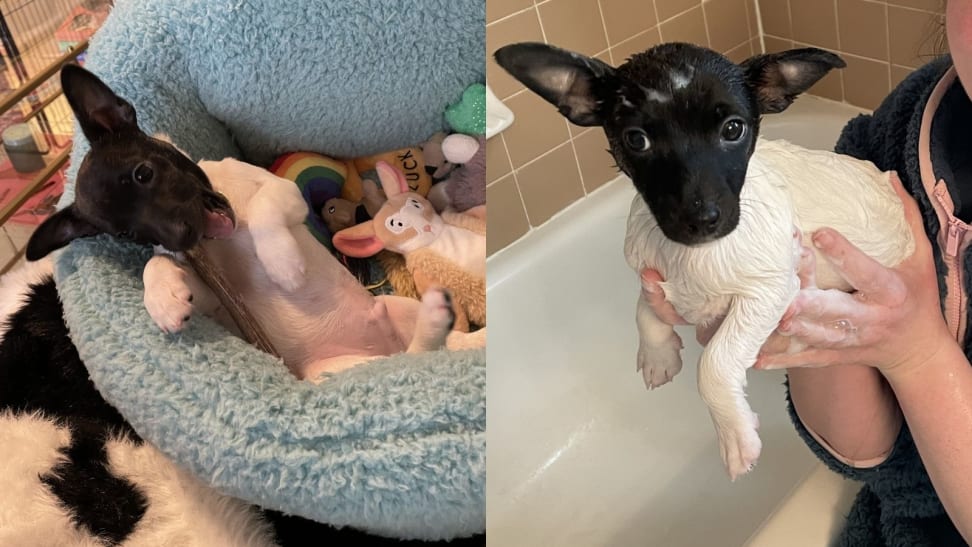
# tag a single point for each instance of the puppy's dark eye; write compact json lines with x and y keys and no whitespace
{"x":733,"y":130}
{"x":142,"y":173}
{"x":331,"y":209}
{"x":127,"y":234}
{"x":636,"y":140}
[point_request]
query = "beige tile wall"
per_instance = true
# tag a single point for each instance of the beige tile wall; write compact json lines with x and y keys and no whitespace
{"x":881,"y":40}
{"x":542,"y":163}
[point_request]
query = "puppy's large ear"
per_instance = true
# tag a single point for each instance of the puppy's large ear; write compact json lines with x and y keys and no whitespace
{"x":577,"y":85}
{"x":777,"y":78}
{"x":98,"y":110}
{"x":57,"y":231}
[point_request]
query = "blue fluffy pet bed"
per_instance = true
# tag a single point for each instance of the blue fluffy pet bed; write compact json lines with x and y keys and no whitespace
{"x":395,"y":447}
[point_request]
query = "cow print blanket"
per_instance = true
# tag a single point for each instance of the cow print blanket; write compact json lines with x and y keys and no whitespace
{"x":73,"y":472}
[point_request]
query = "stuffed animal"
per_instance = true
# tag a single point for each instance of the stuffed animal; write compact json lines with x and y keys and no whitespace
{"x":342,"y":193}
{"x":466,"y":186}
{"x":409,"y":161}
{"x":436,"y":164}
{"x":320,"y":179}
{"x":468,"y":116}
{"x":340,"y":213}
{"x":447,"y":251}
{"x":323,"y":180}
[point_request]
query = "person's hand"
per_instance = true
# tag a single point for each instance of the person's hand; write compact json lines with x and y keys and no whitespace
{"x":651,"y":287}
{"x":892,"y":321}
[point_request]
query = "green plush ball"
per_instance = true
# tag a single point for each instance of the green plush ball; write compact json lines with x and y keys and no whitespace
{"x":468,"y":116}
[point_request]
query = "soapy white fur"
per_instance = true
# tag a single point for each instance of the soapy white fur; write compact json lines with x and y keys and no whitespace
{"x":750,"y":275}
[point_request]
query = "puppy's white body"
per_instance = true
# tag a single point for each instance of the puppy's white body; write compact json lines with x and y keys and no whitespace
{"x":750,"y":275}
{"x":317,"y":315}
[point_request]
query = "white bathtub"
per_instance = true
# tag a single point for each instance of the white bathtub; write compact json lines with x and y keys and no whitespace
{"x":579,"y":453}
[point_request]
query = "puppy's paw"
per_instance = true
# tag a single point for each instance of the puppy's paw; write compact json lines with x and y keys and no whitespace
{"x":169,"y":301}
{"x":740,"y":446}
{"x":437,"y":308}
{"x":281,"y":258}
{"x":658,"y":365}
{"x":435,"y":320}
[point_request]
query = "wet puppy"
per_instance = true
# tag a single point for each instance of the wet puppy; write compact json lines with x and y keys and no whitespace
{"x":720,"y":213}
{"x":250,"y":223}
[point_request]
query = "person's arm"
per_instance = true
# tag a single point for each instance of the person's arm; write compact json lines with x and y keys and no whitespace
{"x":850,"y":410}
{"x":937,"y":403}
{"x":893,"y":322}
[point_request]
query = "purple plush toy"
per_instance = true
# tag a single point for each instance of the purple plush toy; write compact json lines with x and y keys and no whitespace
{"x":466,"y":186}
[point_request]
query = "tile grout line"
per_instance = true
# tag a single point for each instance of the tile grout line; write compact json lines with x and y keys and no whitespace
{"x":797,"y":43}
{"x":626,"y":40}
{"x":607,"y":39}
{"x":509,"y":158}
{"x":542,"y":155}
{"x":573,"y":149}
{"x":837,"y":25}
{"x":543,"y":33}
{"x":654,"y":7}
{"x":570,"y":138}
{"x":759,"y":27}
{"x":908,"y":8}
{"x":573,"y":145}
{"x":705,"y":25}
{"x":887,"y":40}
{"x":737,"y":46}
{"x":749,"y":25}
{"x":840,"y":76}
{"x":677,"y":15}
{"x":580,"y":172}
{"x":526,"y":213}
{"x":514,"y":172}
{"x":519,"y":192}
{"x":510,"y":16}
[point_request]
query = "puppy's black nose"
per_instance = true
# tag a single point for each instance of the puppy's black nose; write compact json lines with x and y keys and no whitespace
{"x":705,"y":219}
{"x":709,"y":215}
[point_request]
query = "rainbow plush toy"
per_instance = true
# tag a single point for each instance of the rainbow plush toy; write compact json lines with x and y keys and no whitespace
{"x":319,"y":178}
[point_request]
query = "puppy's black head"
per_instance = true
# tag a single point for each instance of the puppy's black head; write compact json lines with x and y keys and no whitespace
{"x":681,"y":120}
{"x":129,"y":184}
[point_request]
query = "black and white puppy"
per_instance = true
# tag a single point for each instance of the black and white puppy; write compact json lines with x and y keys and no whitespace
{"x":131,"y":185}
{"x":251,"y":225}
{"x":720,"y":213}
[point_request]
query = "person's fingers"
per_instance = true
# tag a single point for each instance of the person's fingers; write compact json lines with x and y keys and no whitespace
{"x":834,"y":334}
{"x":864,"y":273}
{"x":808,"y":269}
{"x":823,"y":305}
{"x":811,"y":358}
{"x":776,"y":343}
{"x":649,"y":275}
{"x":704,"y":334}
{"x":913,"y":216}
{"x":655,"y":295}
{"x":911,"y":210}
